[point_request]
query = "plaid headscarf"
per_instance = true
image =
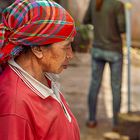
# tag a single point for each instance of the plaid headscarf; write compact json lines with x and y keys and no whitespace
{"x":31,"y":23}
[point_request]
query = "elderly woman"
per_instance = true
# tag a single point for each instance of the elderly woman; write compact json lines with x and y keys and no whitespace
{"x":35,"y":44}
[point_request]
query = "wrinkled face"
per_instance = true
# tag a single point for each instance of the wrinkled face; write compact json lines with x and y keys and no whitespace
{"x":57,"y":56}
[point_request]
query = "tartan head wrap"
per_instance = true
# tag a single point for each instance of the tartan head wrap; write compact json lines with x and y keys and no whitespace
{"x":31,"y":23}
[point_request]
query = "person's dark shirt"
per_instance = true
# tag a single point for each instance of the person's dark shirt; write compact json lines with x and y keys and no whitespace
{"x":108,"y":24}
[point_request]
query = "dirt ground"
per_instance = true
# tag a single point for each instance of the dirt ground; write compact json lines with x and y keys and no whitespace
{"x":75,"y":83}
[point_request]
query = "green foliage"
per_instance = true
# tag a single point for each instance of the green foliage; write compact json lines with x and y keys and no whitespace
{"x":83,"y":37}
{"x":85,"y":31}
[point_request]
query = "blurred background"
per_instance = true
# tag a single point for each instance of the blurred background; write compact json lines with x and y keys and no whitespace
{"x":78,"y":8}
{"x":78,"y":75}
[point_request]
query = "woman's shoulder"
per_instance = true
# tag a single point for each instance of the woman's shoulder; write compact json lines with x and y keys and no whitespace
{"x":11,"y":92}
{"x":8,"y":80}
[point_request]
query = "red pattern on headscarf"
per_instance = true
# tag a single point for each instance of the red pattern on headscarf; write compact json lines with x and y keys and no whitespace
{"x":32,"y":22}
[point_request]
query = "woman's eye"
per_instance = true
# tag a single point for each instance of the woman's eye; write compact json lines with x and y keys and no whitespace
{"x":66,"y":47}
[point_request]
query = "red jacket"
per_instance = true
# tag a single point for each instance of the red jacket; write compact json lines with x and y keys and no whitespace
{"x":26,"y":116}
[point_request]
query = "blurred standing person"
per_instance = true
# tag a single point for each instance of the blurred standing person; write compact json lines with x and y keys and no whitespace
{"x":108,"y":19}
{"x":35,"y":45}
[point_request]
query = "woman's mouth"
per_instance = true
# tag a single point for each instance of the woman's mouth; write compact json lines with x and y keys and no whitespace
{"x":65,"y":65}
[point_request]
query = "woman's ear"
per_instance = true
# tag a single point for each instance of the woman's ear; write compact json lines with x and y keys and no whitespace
{"x":37,"y":51}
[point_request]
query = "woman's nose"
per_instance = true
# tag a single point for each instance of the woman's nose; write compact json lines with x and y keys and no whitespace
{"x":70,"y":53}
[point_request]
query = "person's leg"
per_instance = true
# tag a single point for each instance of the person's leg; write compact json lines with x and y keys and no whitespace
{"x":97,"y":72}
{"x":116,"y":81}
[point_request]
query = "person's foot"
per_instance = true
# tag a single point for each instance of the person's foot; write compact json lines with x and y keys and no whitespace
{"x":115,"y":129}
{"x":91,"y":124}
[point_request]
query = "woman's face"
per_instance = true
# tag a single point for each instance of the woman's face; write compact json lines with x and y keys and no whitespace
{"x":57,"y":56}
